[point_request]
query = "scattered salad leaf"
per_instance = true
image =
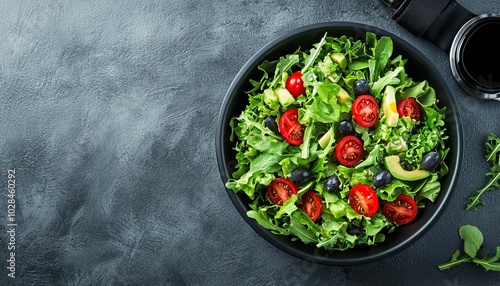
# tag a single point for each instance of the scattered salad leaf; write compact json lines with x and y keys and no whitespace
{"x":493,"y":156}
{"x":473,"y":241}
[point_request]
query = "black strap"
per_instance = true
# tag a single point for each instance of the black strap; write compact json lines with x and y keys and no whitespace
{"x":418,"y":15}
{"x":445,"y":28}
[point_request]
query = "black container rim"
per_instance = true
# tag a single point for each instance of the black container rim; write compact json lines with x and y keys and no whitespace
{"x":470,"y":85}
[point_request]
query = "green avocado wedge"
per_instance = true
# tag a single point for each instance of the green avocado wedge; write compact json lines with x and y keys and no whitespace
{"x":340,"y":59}
{"x":394,"y":167}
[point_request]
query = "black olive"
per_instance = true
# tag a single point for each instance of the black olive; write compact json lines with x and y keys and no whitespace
{"x":382,"y":178}
{"x":361,"y":86}
{"x":331,"y":184}
{"x":430,"y":161}
{"x":300,"y":175}
{"x":270,"y":123}
{"x":346,"y":128}
{"x":355,"y":230}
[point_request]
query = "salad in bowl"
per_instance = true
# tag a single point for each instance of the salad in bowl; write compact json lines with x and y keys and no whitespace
{"x":338,"y":146}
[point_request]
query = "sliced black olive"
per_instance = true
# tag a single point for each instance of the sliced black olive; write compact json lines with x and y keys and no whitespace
{"x":382,"y":178}
{"x":331,"y":184}
{"x":430,"y":161}
{"x":346,"y":128}
{"x":270,"y":123}
{"x":361,"y":86}
{"x":300,"y":175}
{"x":355,"y":230}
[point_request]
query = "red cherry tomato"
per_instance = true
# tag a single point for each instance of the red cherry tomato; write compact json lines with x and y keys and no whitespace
{"x":295,"y":85}
{"x":349,"y":150}
{"x":400,"y":211}
{"x":409,"y":107}
{"x":363,"y":200}
{"x":365,"y":110}
{"x":290,"y":127}
{"x":311,"y":205}
{"x":280,"y":190}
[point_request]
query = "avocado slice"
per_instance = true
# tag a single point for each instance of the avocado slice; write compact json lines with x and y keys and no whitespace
{"x":389,"y":106}
{"x":325,"y":139}
{"x":394,"y":167}
{"x":343,"y":96}
{"x":339,"y":59}
{"x":270,"y":97}
{"x":284,"y":96}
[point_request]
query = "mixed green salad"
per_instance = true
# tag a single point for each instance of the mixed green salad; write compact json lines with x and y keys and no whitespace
{"x":338,"y":145}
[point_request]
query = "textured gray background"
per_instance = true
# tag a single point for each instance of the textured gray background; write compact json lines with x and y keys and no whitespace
{"x":108,"y":112}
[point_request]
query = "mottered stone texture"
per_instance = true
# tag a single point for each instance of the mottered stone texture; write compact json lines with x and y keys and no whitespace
{"x":108,"y":113}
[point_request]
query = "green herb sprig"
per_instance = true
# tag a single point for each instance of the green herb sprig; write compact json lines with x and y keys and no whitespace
{"x":493,"y":156}
{"x":473,"y":241}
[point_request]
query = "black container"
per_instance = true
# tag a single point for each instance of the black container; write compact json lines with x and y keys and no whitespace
{"x":418,"y":67}
{"x":464,"y":35}
{"x":474,"y":59}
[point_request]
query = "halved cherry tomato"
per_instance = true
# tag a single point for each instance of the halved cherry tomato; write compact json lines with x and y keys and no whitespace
{"x":290,"y":127}
{"x":365,"y":110}
{"x":295,"y":85}
{"x":311,"y":205}
{"x":409,"y":107}
{"x":349,"y":150}
{"x":363,"y":200}
{"x":400,"y":211}
{"x":280,"y":190}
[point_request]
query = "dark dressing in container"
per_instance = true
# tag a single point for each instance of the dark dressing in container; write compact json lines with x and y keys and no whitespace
{"x":479,"y":57}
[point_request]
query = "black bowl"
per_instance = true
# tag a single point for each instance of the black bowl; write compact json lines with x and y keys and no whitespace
{"x":418,"y":67}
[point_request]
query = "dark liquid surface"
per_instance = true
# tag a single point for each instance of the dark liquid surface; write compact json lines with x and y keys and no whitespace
{"x":481,"y":55}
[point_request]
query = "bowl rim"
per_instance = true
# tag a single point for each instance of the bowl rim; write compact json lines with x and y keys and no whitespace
{"x":316,"y":256}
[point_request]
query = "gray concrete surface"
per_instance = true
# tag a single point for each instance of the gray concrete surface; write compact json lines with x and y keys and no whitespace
{"x":108,"y":113}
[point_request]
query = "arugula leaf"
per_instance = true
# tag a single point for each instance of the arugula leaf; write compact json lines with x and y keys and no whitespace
{"x":288,"y":207}
{"x":424,"y":94}
{"x":374,"y":157}
{"x":454,"y":261}
{"x":314,"y":54}
{"x":391,"y":191}
{"x":473,"y":241}
{"x":492,"y":146}
{"x":263,"y":219}
{"x":375,"y":224}
{"x":382,"y":52}
{"x":358,"y":65}
{"x":492,"y":263}
{"x":430,"y":189}
{"x":323,"y":106}
{"x":391,"y":78}
{"x":336,"y":236}
{"x":284,"y":66}
{"x":297,"y":227}
{"x":265,"y":67}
